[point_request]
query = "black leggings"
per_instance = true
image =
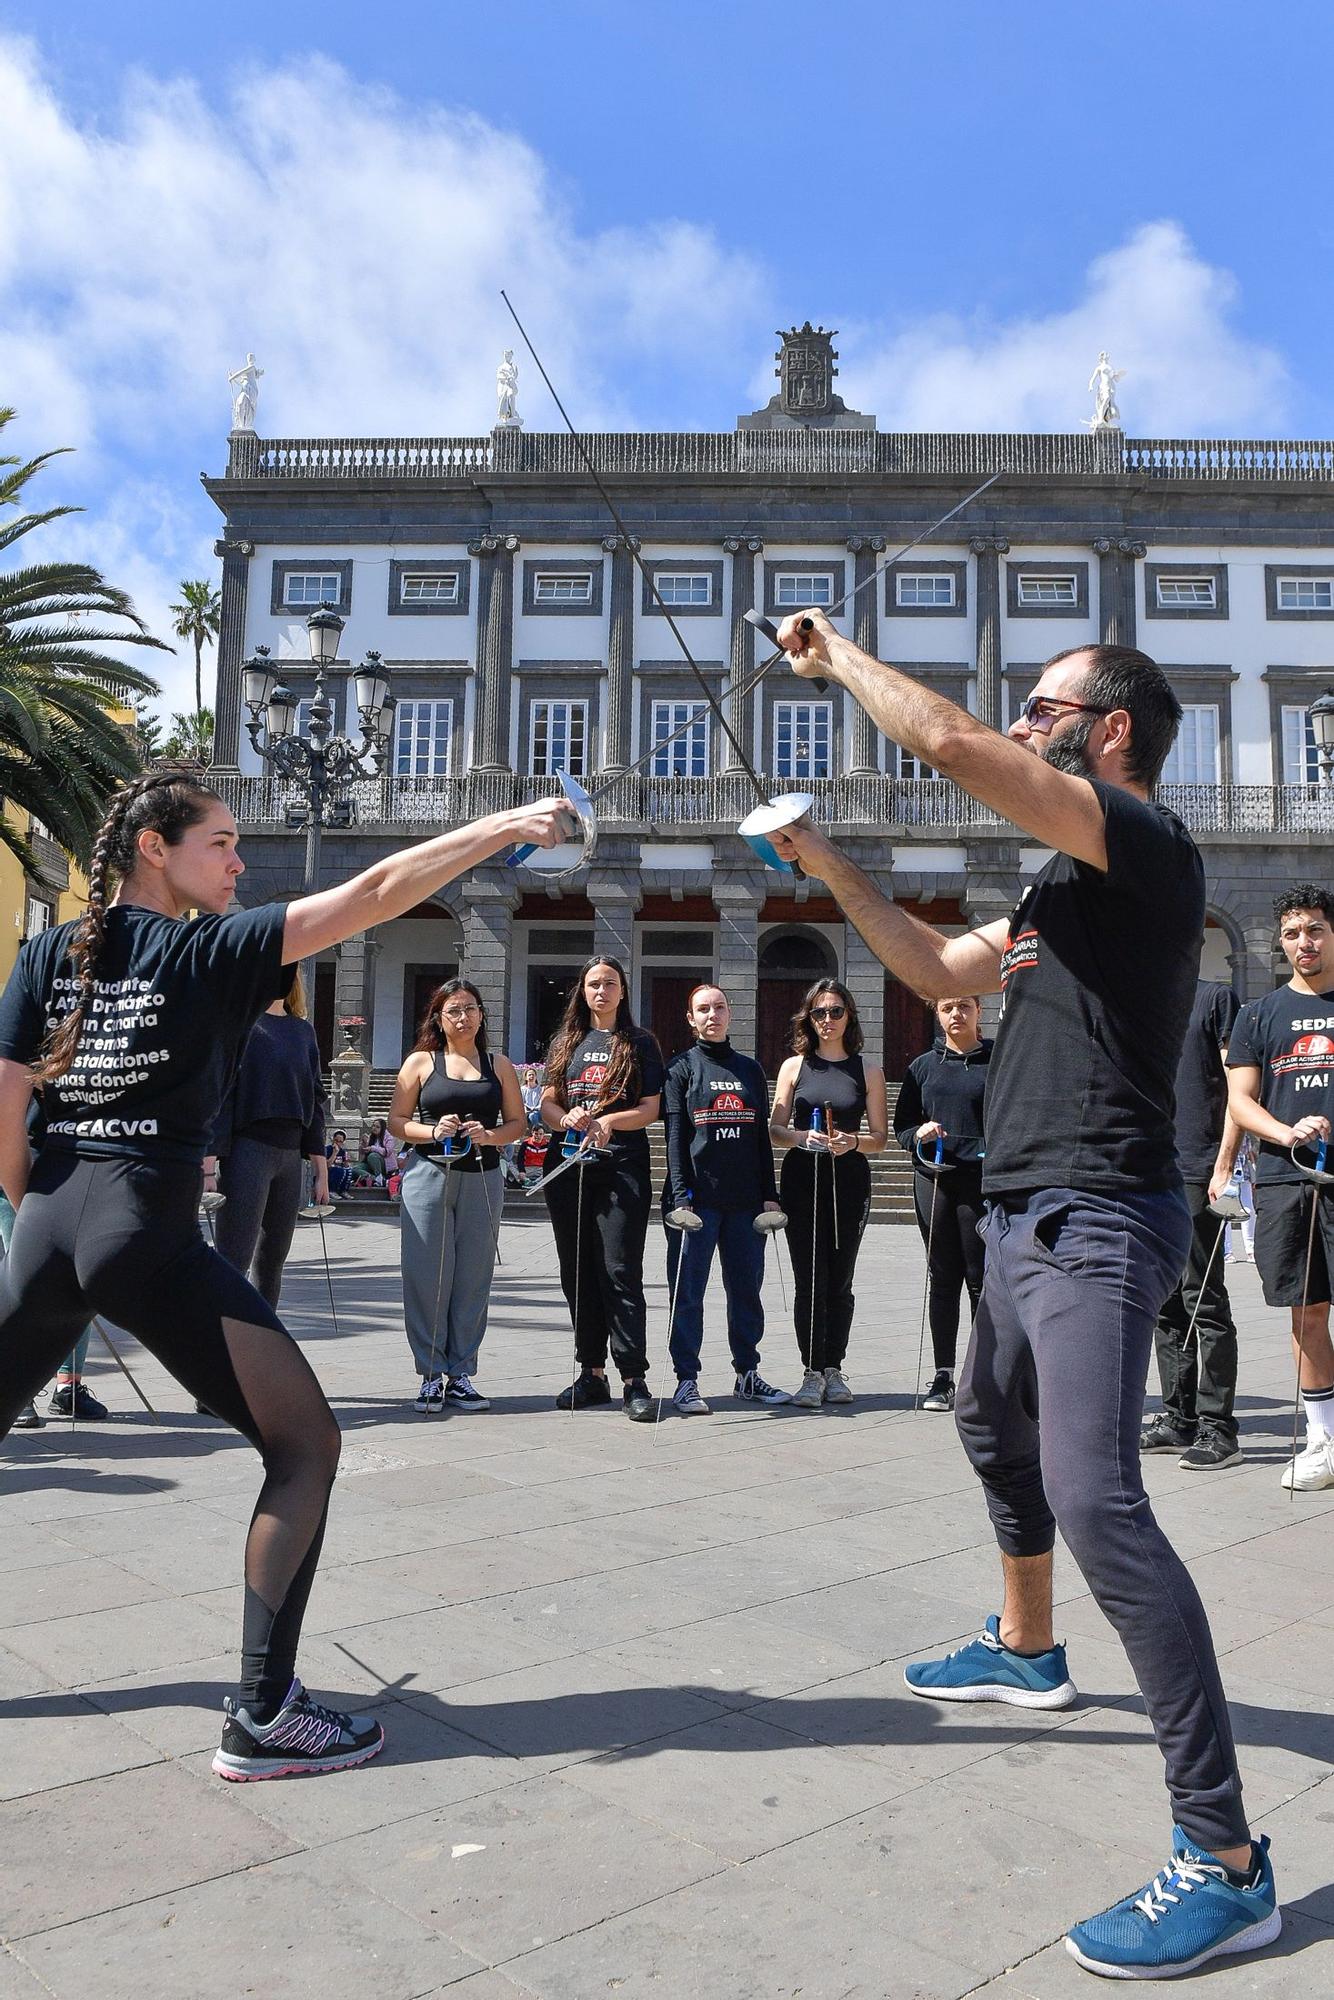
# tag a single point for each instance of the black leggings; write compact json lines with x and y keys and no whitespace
{"x":957,"y":1253}
{"x":255,"y":1224}
{"x":607,"y":1277}
{"x":121,"y":1238}
{"x":814,"y":1188}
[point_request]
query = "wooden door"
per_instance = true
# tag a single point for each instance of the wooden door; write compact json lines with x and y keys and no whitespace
{"x":419,"y":984}
{"x":779,"y":1001}
{"x":322,"y":1009}
{"x":910,"y":1028}
{"x":668,"y":994}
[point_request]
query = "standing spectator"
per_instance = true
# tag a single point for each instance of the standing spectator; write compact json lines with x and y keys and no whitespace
{"x":941,"y":1099}
{"x":826,"y":1183}
{"x":271,"y":1121}
{"x":1281,"y":1087}
{"x":603,"y":1081}
{"x":452,"y":1088}
{"x":720,"y":1164}
{"x":1199,"y":1374}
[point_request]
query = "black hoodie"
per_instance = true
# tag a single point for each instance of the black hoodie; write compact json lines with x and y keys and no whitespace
{"x":716,"y":1106}
{"x":946,"y":1088}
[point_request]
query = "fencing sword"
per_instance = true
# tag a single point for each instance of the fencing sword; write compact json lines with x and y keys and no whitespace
{"x":328,"y":1275}
{"x":833,"y":1162}
{"x":684,"y":1219}
{"x":815,"y":1151}
{"x":123,"y":1366}
{"x":770,"y":814}
{"x":769,"y":1222}
{"x":448,"y":1155}
{"x":938,"y":1163}
{"x":1227,"y":1208}
{"x":1320,"y":1177}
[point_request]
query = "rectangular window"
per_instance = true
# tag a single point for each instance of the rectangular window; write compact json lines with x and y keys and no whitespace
{"x":312,"y":586}
{"x":557,"y":587}
{"x":41,"y":916}
{"x":559,"y":735}
{"x":688,"y":755}
{"x":1301,"y":759}
{"x":426,"y":589}
{"x":1187,"y":593}
{"x":924,"y":587}
{"x":803,"y":732}
{"x":301,"y":723}
{"x":423,"y":733}
{"x":1306,"y":593}
{"x":795,"y":588}
{"x":902,"y":764}
{"x":1193,"y":758}
{"x":1048,"y":590}
{"x":684,"y":586}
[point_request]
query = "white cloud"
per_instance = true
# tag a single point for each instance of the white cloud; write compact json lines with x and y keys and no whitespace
{"x":1160,"y":311}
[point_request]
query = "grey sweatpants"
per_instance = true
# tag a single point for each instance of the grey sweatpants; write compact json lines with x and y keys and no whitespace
{"x":1049,"y":1407}
{"x":447,"y":1246}
{"x":255,"y":1223}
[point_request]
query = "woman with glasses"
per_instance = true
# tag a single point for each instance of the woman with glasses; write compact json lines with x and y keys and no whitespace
{"x":603,"y":1083}
{"x":826,"y":1094}
{"x":455,"y":1106}
{"x":938,"y":1123}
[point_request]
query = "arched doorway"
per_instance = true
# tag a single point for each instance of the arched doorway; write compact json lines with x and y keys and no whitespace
{"x":789,"y":962}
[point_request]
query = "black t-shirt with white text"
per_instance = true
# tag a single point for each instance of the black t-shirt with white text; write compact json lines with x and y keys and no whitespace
{"x":1097,"y":978}
{"x":1289,"y":1038}
{"x":172,"y":1005}
{"x":1202,"y":1079}
{"x":585,"y":1083}
{"x":716,"y":1109}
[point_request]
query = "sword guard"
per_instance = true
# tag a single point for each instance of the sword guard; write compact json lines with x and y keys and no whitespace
{"x":684,"y":1218}
{"x":769,"y":1221}
{"x":770,"y":631}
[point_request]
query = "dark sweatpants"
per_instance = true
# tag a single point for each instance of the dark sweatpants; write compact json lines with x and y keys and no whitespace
{"x":1199,"y":1383}
{"x":956,"y":1253}
{"x":606,"y":1276}
{"x":1074,"y":1283}
{"x":813,"y":1187}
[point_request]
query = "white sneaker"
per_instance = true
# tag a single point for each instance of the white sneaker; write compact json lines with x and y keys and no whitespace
{"x":1313,"y":1469}
{"x":836,"y":1388}
{"x":812,"y":1391}
{"x":431,"y":1396}
{"x":689,"y":1402}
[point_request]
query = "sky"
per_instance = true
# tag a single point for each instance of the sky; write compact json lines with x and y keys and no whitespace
{"x":977,"y":198}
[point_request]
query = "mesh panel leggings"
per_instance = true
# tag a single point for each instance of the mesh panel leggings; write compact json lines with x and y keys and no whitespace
{"x":121,"y":1237}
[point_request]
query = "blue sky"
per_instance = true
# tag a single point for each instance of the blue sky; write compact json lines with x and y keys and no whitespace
{"x":977,"y":197}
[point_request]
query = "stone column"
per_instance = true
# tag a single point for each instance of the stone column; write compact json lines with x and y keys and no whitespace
{"x":992,"y":887}
{"x":488,"y":902}
{"x":737,"y":897}
{"x":615,"y":894}
{"x":740,"y":708}
{"x":864,"y":976}
{"x":866,"y":549}
{"x":231,"y":652}
{"x":354,"y":1000}
{"x":1254,"y":969}
{"x":1116,"y":589}
{"x":620,"y":652}
{"x":495,"y":648}
{"x":989,"y":549}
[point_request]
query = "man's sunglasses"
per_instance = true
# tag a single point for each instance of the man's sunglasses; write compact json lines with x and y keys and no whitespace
{"x":828,"y":1013}
{"x":1040,"y":711}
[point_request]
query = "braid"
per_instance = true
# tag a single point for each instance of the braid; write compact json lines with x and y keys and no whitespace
{"x":114,"y":853}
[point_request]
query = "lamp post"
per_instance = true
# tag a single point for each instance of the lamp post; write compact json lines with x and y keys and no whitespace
{"x":1322,"y":728}
{"x":322,"y":764}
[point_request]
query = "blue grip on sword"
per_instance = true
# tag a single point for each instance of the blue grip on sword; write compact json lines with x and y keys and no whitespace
{"x":940,"y":1149}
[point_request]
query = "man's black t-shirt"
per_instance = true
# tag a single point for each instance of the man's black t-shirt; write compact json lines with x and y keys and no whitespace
{"x":1289,"y":1038}
{"x":173,"y":1002}
{"x":1202,"y":1080}
{"x":1098,"y":973}
{"x":585,"y":1081}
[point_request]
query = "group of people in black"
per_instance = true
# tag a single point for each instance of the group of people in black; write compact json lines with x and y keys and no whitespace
{"x":129,"y":1022}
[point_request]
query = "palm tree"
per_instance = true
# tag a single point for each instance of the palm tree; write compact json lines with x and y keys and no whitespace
{"x":64,"y":746}
{"x":191,"y":738}
{"x":198,"y":618}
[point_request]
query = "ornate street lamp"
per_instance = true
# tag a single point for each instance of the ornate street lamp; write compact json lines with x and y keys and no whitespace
{"x":1322,"y":727}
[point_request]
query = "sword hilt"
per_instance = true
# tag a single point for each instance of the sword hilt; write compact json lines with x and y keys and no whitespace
{"x":770,"y":631}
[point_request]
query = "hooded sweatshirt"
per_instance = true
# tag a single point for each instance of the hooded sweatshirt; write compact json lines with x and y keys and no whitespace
{"x":947,"y":1088}
{"x":719,"y":1155}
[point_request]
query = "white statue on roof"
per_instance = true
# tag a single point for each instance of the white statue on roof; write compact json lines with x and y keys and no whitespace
{"x":1103,"y":381}
{"x":245,"y":394}
{"x":507,"y":392}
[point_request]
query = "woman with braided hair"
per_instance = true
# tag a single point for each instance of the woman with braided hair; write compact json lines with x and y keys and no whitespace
{"x":130,"y":1021}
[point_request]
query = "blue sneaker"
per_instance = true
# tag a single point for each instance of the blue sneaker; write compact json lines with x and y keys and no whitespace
{"x":985,"y":1670}
{"x":1186,"y":1916}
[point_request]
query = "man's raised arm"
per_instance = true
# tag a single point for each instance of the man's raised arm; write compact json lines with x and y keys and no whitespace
{"x":1061,"y":811}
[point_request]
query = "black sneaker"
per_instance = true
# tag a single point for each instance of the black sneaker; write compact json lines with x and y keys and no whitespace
{"x":28,"y":1419}
{"x":462,"y":1393}
{"x":1164,"y":1435}
{"x":639,"y":1406}
{"x":67,"y":1400}
{"x":303,"y":1739}
{"x":1211,"y":1451}
{"x":940,"y":1396}
{"x":584,"y":1392}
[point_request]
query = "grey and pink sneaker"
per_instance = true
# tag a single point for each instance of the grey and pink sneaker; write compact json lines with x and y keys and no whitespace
{"x":304,"y":1739}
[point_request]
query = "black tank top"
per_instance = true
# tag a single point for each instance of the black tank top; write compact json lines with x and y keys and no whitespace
{"x":840,"y":1085}
{"x":443,"y":1096}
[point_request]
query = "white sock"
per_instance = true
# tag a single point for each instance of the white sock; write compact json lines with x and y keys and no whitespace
{"x":1319,"y":1405}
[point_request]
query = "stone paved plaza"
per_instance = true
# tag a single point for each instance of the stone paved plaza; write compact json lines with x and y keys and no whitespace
{"x":647,"y":1732}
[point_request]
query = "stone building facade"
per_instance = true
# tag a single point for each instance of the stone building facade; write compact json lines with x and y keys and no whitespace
{"x":519,"y":636}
